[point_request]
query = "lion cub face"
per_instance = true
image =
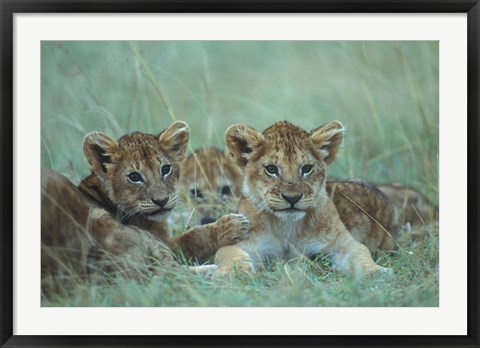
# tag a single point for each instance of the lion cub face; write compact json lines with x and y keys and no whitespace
{"x":285,"y":166}
{"x":139,"y":171}
{"x":213,"y":183}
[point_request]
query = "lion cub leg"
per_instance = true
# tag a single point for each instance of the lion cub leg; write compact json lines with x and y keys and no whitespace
{"x":202,"y":242}
{"x":121,"y":248}
{"x":354,"y":258}
{"x":129,"y":249}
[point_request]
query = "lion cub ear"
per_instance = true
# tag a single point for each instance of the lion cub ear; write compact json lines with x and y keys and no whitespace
{"x":327,"y":140}
{"x":241,"y":141}
{"x":98,"y":149}
{"x":175,"y":139}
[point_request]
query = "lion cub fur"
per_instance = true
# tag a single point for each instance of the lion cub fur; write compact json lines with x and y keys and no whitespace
{"x":412,"y":206}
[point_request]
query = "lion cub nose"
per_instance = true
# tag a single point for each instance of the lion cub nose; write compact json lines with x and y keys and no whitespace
{"x":160,"y":202}
{"x":292,"y":199}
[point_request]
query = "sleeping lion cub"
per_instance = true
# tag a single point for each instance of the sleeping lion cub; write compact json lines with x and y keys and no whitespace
{"x":285,"y":200}
{"x":212,"y":182}
{"x":121,"y":208}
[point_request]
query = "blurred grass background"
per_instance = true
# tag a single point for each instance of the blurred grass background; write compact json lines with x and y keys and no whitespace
{"x":385,"y":93}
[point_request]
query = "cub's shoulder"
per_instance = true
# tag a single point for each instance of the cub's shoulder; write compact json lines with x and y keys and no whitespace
{"x":50,"y":177}
{"x":57,"y":187}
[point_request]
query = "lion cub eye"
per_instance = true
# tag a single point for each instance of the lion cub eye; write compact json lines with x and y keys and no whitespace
{"x":166,"y":169}
{"x":135,"y":178}
{"x":307,"y":169}
{"x":196,"y":193}
{"x":226,"y":190}
{"x":271,"y":170}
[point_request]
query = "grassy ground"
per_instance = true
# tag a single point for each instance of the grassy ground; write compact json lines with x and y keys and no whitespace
{"x":297,"y":283}
{"x":385,"y":94}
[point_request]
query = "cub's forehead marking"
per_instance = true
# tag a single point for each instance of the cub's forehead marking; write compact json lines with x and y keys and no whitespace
{"x":288,"y":143}
{"x":145,"y":149}
{"x":285,"y":136}
{"x":139,"y":145}
{"x":295,"y":158}
{"x":162,"y":159}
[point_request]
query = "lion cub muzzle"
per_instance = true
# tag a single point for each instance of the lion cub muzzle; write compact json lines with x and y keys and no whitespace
{"x":292,"y":199}
{"x":161,"y":202}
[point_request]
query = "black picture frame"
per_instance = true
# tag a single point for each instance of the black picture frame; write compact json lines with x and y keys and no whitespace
{"x":7,"y":176}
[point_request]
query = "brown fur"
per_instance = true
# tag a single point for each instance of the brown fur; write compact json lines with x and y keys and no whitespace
{"x":212,"y":182}
{"x":412,"y":206}
{"x":365,"y":211}
{"x":109,"y":213}
{"x":285,"y":199}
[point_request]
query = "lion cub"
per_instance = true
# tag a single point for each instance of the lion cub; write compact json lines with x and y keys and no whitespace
{"x":212,"y":182}
{"x":286,"y":202}
{"x":121,"y":208}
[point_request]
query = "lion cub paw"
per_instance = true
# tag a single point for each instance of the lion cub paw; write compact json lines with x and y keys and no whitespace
{"x":231,"y":229}
{"x":232,"y":261}
{"x":230,"y":273}
{"x":237,"y":271}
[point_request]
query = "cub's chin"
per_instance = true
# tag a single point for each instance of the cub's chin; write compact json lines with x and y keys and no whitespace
{"x":159,"y":215}
{"x":290,"y":214}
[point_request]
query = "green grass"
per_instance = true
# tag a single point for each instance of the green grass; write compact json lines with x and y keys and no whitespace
{"x":296,"y":283}
{"x":385,"y":93}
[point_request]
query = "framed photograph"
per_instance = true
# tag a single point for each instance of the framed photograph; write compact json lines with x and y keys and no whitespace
{"x":254,"y":174}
